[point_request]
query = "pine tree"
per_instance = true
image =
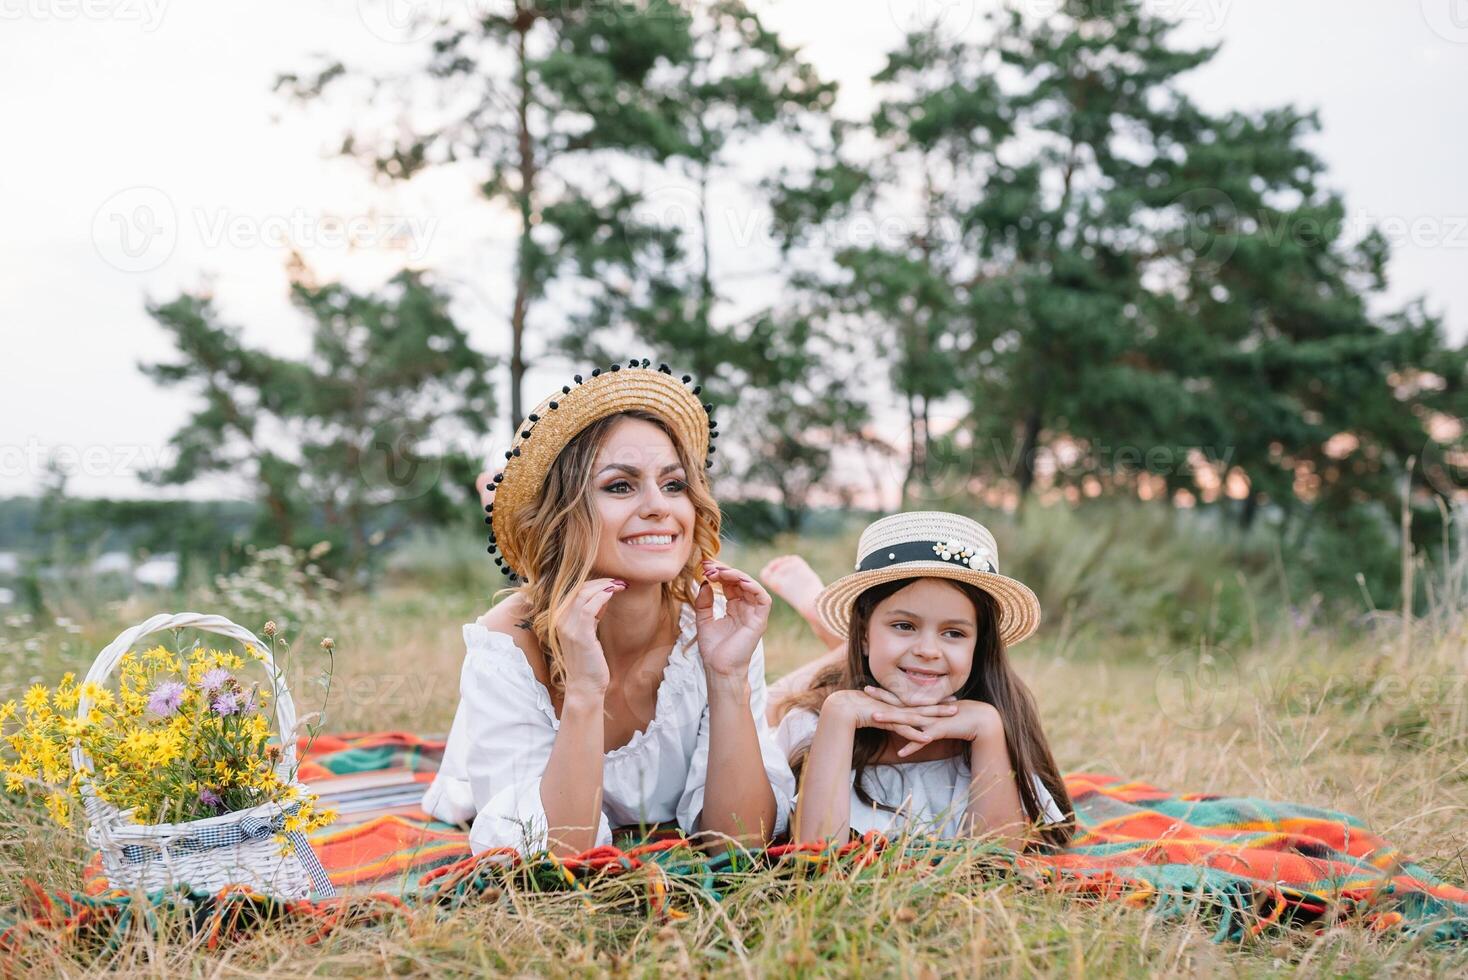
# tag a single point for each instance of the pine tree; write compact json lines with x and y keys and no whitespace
{"x":550,"y":99}
{"x":353,"y":444}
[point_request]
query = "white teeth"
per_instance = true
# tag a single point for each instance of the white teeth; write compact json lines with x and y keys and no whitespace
{"x":652,"y":539}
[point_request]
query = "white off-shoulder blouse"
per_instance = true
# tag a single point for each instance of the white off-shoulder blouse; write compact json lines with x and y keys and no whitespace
{"x":505,"y":727}
{"x":930,"y":797}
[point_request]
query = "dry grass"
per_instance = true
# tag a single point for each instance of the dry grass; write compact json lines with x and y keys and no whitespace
{"x":1362,"y":723}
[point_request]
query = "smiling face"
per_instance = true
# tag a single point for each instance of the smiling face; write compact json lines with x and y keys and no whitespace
{"x":643,"y":508}
{"x":921,"y":639}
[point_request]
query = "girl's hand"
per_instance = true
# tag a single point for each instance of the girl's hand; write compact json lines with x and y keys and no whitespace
{"x":583,"y":658}
{"x":861,"y":709}
{"x":969,"y":721}
{"x":727,"y":644}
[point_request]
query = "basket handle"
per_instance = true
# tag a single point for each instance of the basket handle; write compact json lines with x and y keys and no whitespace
{"x":111,"y":655}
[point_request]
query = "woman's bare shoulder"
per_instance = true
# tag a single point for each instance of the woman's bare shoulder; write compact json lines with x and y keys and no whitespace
{"x":511,"y":617}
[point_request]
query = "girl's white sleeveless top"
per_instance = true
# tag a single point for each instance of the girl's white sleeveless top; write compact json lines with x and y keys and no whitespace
{"x":930,"y":797}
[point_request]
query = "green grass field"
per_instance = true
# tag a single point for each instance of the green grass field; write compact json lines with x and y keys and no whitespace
{"x":1371,"y":720}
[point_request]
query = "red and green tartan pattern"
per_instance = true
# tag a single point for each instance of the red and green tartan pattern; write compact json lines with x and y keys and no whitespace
{"x":1246,"y":864}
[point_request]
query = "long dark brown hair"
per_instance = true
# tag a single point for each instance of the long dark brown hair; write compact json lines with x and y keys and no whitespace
{"x":991,"y":679}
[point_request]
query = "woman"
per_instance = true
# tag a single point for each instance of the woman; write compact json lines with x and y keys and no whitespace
{"x":613,"y":688}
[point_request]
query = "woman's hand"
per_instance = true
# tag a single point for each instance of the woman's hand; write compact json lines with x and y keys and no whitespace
{"x":582,"y":656}
{"x":727,"y":644}
{"x":969,"y":721}
{"x":861,"y":709}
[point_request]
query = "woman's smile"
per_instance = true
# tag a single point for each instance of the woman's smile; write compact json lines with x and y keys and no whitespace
{"x":652,"y":541}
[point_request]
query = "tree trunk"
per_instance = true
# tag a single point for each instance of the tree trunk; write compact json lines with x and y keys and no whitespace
{"x":1250,"y":511}
{"x":525,"y":198}
{"x":912,"y":446}
{"x":1028,"y":444}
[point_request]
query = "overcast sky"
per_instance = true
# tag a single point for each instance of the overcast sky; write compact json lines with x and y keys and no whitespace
{"x":120,"y":116}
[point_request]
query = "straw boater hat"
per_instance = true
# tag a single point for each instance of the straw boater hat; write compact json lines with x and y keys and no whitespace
{"x":557,"y":420}
{"x":936,"y":545}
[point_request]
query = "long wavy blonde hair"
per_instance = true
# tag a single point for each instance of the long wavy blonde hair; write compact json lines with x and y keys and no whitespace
{"x":560,"y":530}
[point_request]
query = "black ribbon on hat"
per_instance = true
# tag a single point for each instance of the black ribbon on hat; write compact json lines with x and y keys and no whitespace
{"x":917,"y":551}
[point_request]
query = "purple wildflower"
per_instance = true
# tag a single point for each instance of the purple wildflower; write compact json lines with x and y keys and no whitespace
{"x":210,"y":798}
{"x":226,"y":703}
{"x":165,"y":698}
{"x":214,"y":679}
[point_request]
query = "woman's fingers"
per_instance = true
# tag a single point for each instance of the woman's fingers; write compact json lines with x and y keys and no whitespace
{"x":598,"y":602}
{"x":598,"y":590}
{"x":737,"y":586}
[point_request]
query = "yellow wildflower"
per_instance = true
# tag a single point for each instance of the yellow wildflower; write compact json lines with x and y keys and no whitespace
{"x":58,"y":807}
{"x":35,"y":700}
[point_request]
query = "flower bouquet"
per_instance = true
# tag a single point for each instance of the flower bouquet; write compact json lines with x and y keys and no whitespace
{"x":175,"y":771}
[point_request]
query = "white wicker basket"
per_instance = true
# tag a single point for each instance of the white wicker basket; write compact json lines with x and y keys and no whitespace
{"x":208,"y":854}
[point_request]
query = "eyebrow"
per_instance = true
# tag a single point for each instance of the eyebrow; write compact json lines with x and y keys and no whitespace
{"x":912,"y":615}
{"x":634,"y":471}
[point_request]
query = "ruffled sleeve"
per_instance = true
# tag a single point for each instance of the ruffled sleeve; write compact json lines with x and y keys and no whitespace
{"x":506,"y":728}
{"x":796,"y":730}
{"x":777,"y":768}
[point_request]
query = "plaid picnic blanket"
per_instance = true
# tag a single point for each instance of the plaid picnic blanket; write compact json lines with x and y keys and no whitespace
{"x":1247,"y":864}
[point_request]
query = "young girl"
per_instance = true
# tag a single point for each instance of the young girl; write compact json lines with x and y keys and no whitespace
{"x":613,"y":688}
{"x":923,"y":725}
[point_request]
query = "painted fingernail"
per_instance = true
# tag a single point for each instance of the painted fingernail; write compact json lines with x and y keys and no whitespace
{"x":619,"y":583}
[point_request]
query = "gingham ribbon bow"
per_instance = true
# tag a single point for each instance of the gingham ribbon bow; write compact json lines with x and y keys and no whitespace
{"x":248,"y":827}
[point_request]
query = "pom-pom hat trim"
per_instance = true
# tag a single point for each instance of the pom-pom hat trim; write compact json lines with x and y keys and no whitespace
{"x":553,"y":423}
{"x":931,"y":544}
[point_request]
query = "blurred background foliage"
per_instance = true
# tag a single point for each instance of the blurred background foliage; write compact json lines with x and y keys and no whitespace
{"x":1135,"y":337}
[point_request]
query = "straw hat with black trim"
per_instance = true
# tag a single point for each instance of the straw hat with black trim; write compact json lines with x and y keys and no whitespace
{"x":556,"y":421}
{"x":931,"y":544}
